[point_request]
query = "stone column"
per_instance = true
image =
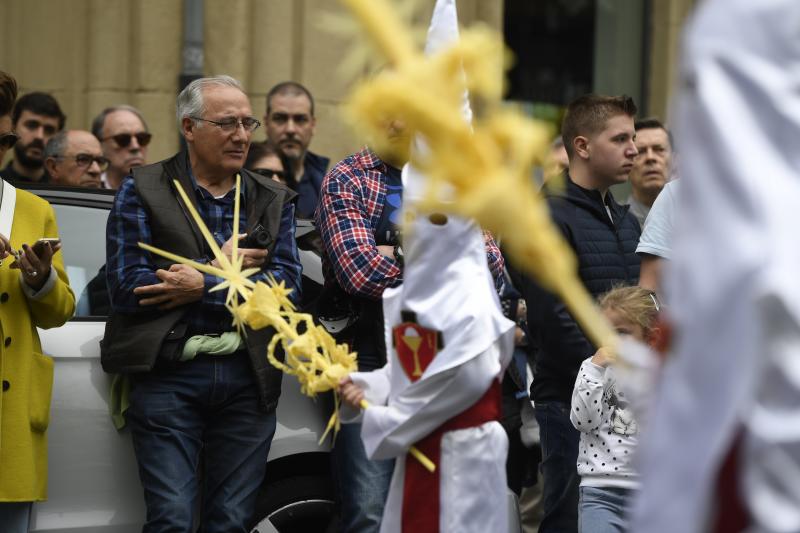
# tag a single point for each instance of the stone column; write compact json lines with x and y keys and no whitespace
{"x":667,"y":20}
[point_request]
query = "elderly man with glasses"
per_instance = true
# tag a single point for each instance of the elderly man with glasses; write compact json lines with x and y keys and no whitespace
{"x":123,"y":134}
{"x":197,"y":389}
{"x":74,"y":158}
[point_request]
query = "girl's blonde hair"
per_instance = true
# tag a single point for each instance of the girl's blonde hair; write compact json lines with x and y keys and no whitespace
{"x":635,"y":304}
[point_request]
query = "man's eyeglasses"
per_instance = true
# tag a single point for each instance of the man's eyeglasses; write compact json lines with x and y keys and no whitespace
{"x":124,"y":139}
{"x":85,"y":160}
{"x":7,"y":140}
{"x":269,"y":173}
{"x":229,"y":125}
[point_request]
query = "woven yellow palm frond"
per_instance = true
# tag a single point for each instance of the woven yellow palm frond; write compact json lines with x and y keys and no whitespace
{"x":314,"y":358}
{"x":479,"y":170}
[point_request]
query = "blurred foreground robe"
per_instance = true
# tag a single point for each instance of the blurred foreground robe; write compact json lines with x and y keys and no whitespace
{"x":448,"y":345}
{"x":734,"y":284}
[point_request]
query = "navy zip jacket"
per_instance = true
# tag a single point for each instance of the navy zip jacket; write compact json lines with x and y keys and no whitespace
{"x":606,"y":253}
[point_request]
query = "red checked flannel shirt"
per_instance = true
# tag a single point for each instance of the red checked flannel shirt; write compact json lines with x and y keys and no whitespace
{"x":352,"y":198}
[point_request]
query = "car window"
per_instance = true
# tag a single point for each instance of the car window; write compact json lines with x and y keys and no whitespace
{"x":83,"y":238}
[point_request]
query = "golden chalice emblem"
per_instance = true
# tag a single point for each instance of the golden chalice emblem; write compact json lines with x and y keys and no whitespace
{"x":413,"y":341}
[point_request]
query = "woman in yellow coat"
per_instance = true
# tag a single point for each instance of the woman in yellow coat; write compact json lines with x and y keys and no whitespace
{"x":34,"y":292}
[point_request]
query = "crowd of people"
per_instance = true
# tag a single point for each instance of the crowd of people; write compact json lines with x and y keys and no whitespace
{"x":183,"y":399}
{"x":117,"y":141}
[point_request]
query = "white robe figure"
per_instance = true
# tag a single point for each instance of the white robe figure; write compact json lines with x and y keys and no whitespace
{"x":448,"y":344}
{"x":734,"y":283}
{"x":448,"y":285}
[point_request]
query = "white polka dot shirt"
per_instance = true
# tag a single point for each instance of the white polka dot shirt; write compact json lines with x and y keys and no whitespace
{"x":608,"y":430}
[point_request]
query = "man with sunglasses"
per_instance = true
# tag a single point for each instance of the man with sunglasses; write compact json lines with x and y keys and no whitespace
{"x":35,"y":119}
{"x":123,"y":135}
{"x":74,"y":158}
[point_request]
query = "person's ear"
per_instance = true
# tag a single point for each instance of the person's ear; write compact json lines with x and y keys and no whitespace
{"x":580,"y":146}
{"x":50,"y":166}
{"x":187,"y":128}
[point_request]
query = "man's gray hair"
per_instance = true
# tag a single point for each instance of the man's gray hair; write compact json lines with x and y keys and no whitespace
{"x":190,"y":100}
{"x":57,"y":145}
{"x":99,"y":120}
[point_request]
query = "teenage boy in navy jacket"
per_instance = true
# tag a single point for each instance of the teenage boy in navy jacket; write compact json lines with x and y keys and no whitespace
{"x":598,"y":134}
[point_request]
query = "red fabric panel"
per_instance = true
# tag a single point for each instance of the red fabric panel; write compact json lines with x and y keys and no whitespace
{"x":731,"y":515}
{"x":421,"y":488}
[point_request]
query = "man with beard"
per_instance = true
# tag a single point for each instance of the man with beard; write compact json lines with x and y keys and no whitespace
{"x":36,"y":118}
{"x":651,"y":167}
{"x":290,"y":125}
{"x":123,"y":134}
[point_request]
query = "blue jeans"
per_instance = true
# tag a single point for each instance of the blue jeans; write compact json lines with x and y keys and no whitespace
{"x":604,"y":509}
{"x":205,"y":407}
{"x":559,"y":468}
{"x":15,"y":516}
{"x":362,"y":485}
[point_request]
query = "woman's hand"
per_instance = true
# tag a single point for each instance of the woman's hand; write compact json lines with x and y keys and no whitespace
{"x":36,"y":268}
{"x":5,"y":248}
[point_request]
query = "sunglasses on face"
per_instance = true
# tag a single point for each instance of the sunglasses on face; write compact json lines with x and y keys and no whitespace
{"x":124,"y":139}
{"x":269,"y":173}
{"x":7,"y":140}
{"x":85,"y":160}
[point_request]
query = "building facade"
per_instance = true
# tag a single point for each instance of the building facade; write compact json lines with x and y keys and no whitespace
{"x":94,"y":53}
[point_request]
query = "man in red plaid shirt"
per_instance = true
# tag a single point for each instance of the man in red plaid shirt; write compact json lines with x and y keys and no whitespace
{"x":358,"y":220}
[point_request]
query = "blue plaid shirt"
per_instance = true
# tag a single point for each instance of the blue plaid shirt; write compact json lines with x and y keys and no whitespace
{"x":128,"y":266}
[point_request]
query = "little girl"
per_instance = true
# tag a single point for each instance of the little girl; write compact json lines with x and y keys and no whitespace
{"x":602,"y":415}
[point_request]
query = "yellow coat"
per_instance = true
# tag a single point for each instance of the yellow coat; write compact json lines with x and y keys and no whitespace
{"x":26,"y":375}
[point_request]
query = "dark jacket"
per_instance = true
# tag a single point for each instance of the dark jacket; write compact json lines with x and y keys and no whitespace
{"x":133,"y":341}
{"x":308,"y":190}
{"x":606,"y":254}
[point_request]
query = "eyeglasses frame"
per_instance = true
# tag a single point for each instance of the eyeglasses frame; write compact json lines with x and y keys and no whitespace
{"x":223,"y":125}
{"x":95,"y":159}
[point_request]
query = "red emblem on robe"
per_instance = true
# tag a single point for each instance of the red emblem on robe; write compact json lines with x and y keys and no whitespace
{"x":416,"y":347}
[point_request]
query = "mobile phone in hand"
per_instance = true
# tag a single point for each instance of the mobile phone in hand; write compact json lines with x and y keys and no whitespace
{"x":38,"y":246}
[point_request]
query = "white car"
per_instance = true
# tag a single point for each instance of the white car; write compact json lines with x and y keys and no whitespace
{"x":93,"y":479}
